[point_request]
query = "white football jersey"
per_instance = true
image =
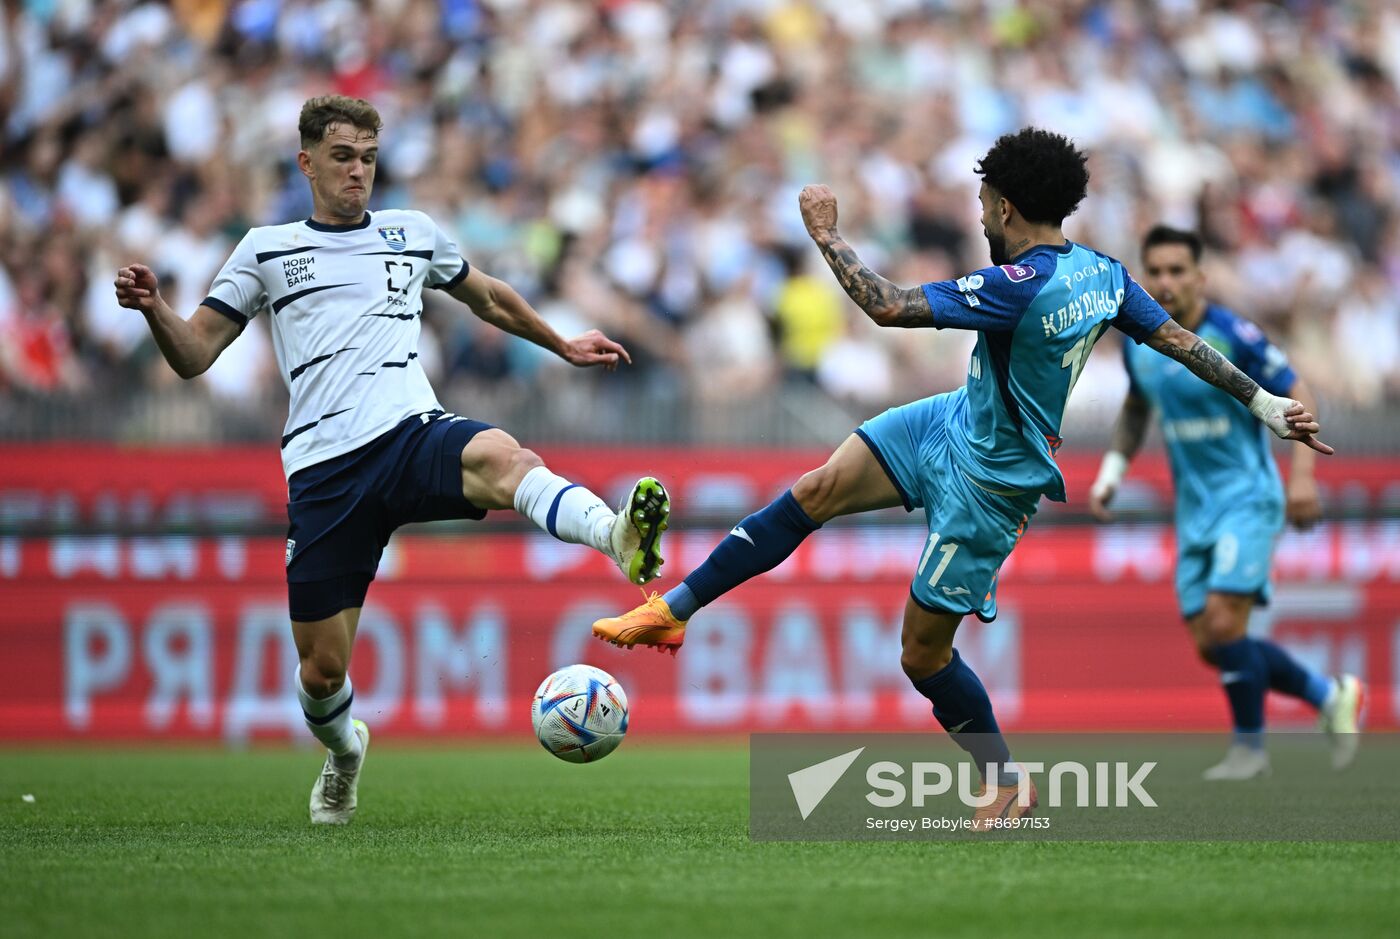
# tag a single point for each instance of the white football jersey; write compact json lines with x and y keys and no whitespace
{"x":346,"y":303}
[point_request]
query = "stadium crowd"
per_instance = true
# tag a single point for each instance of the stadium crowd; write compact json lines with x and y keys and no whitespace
{"x":633,"y":164}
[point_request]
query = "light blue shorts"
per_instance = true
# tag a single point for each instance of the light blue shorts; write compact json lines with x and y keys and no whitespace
{"x":1236,"y":560}
{"x":972,"y":528}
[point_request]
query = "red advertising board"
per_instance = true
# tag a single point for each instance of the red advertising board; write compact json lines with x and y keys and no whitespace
{"x":176,"y":637}
{"x":113,"y":638}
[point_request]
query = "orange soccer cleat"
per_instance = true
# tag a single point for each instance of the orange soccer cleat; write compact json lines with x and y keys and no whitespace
{"x":1005,"y":805}
{"x":650,"y":624}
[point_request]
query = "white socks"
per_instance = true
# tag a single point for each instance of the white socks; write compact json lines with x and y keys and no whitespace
{"x":329,"y":720}
{"x":566,"y":510}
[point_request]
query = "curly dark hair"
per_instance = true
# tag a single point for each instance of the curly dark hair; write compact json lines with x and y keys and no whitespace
{"x":1042,"y":174}
{"x":318,"y":114}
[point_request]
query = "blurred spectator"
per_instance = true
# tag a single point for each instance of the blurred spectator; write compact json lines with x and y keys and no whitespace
{"x":810,"y":314}
{"x":857,"y":367}
{"x":729,"y":347}
{"x":633,"y":165}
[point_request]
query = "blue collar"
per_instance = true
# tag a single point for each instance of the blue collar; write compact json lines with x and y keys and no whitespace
{"x":322,"y":226}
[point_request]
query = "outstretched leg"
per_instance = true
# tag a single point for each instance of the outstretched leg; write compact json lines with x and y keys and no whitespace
{"x":498,"y":473}
{"x":851,"y":481}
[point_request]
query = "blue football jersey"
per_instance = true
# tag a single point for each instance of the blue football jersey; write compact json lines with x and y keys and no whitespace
{"x":1219,"y":453}
{"x":1037,"y":321}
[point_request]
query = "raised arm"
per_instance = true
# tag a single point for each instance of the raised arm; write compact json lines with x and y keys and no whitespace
{"x":882,"y":301}
{"x":1284,"y":416}
{"x":1128,"y":435}
{"x":496,"y":302}
{"x":189,"y":345}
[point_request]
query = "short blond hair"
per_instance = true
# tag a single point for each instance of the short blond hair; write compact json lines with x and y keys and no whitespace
{"x":318,"y":114}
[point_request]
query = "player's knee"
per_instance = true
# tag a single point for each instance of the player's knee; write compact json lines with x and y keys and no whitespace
{"x":501,"y":468}
{"x":1206,"y":652}
{"x":920,"y":661}
{"x":322,"y":673}
{"x":1220,"y":627}
{"x":516,"y":464}
{"x":817,"y":493}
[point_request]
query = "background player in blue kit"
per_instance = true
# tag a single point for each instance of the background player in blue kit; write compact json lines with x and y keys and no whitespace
{"x":1230,"y":504}
{"x":977,"y":459}
{"x":367,"y":446}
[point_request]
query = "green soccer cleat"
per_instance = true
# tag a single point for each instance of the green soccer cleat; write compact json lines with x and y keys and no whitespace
{"x":636,"y":531}
{"x":334,"y":796}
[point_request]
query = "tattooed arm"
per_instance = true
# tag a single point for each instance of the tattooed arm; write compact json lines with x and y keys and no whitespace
{"x":1284,"y":416}
{"x":882,"y":301}
{"x":1207,"y":364}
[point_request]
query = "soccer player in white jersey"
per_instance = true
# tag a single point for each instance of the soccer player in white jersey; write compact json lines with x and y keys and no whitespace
{"x":367,"y":446}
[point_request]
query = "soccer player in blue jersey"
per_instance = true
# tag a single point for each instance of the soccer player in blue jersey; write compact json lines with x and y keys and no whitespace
{"x":1230,"y":504}
{"x":978,"y":459}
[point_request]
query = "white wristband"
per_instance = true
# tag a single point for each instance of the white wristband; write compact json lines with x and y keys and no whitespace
{"x":1111,"y":471}
{"x":1269,"y":408}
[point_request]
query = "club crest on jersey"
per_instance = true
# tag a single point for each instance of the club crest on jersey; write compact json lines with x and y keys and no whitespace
{"x":1017,"y":272}
{"x":394,"y":237}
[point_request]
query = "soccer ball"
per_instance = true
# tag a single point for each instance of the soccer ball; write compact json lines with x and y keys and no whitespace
{"x":580,"y":714}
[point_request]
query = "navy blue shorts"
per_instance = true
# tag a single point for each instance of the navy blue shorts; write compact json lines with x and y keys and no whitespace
{"x":342,"y":511}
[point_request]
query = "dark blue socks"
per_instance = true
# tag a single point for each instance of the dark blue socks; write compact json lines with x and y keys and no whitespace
{"x":1245,"y":675}
{"x":1251,"y":667}
{"x":759,"y":543}
{"x":1289,"y":676}
{"x":961,"y":705}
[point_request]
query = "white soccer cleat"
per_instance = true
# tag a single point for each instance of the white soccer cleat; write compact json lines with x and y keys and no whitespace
{"x":1340,"y":719}
{"x":333,"y":798}
{"x":1240,"y":763}
{"x":636,"y":531}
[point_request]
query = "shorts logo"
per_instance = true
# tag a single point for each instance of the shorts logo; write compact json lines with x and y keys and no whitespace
{"x":1017,"y":272}
{"x":394,"y":236}
{"x":291,"y":547}
{"x":955,"y":591}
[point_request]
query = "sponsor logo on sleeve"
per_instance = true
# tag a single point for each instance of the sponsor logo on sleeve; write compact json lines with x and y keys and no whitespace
{"x":1017,"y":272}
{"x":969,"y":286}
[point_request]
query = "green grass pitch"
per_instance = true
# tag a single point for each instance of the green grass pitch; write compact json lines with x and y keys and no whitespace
{"x":652,"y":842}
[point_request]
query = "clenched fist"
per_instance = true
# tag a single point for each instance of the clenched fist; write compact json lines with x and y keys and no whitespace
{"x":137,"y":288}
{"x":818,"y":205}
